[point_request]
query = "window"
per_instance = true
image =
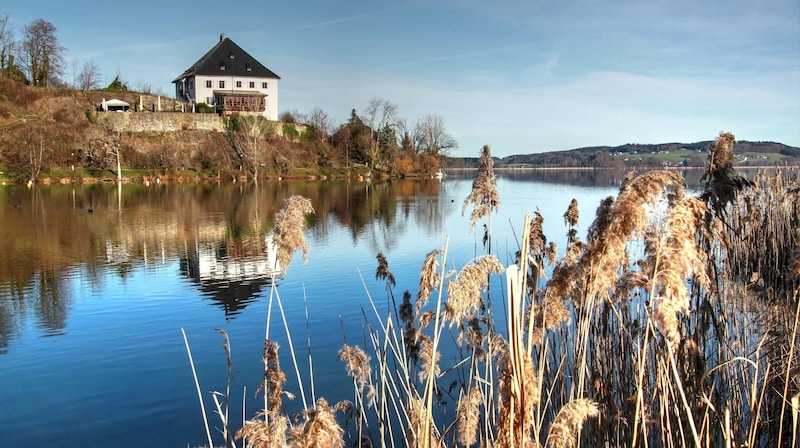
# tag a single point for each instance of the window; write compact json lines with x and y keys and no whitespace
{"x":263,"y":85}
{"x":222,"y":84}
{"x":221,"y":67}
{"x":208,"y":84}
{"x":252,"y":85}
{"x":238,"y":84}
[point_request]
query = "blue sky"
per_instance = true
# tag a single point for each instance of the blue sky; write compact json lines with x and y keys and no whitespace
{"x":523,"y":76}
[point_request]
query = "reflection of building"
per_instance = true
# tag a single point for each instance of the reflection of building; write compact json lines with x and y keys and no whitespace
{"x":231,"y":277}
{"x":230,"y":79}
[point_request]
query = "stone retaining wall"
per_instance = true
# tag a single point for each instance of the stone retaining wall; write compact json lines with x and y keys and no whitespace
{"x":161,"y":121}
{"x":172,"y":122}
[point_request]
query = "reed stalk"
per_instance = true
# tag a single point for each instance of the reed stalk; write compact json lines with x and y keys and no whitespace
{"x":785,"y":393}
{"x":197,"y":386}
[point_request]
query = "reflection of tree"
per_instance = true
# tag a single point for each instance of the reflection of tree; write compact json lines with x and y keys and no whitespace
{"x":52,"y":300}
{"x":49,"y":232}
{"x":45,"y":296}
{"x":585,"y":177}
{"x":12,"y":301}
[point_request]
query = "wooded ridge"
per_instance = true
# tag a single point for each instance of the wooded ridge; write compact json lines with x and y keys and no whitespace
{"x":643,"y":155}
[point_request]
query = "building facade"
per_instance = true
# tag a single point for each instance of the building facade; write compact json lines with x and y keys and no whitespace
{"x":228,"y":78}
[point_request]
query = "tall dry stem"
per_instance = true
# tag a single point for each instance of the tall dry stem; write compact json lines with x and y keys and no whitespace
{"x":483,"y":195}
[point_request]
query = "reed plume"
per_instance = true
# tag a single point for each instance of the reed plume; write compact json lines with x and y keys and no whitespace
{"x":678,"y":258}
{"x":468,"y":416}
{"x":572,"y":214}
{"x":269,"y":432}
{"x":722,"y":182}
{"x":318,"y":430}
{"x":538,"y":250}
{"x":429,"y":279}
{"x":569,"y":420}
{"x":550,"y":314}
{"x":429,"y":358}
{"x":410,"y":336}
{"x":627,"y":218}
{"x":288,"y":232}
{"x":464,"y":291}
{"x":794,"y":265}
{"x":357,"y":364}
{"x":382,"y":272}
{"x":274,"y":378}
{"x":484,"y":194}
{"x":407,"y":309}
{"x":537,"y":240}
{"x":471,"y":332}
{"x":419,"y":424}
{"x":518,"y":392}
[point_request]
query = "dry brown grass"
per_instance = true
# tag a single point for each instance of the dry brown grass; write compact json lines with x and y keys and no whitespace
{"x":648,"y":334}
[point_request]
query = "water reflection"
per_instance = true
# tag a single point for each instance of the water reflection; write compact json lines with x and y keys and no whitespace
{"x":588,"y":177}
{"x":231,"y":273}
{"x":53,"y":235}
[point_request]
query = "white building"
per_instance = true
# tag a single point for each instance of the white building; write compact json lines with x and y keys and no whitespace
{"x":230,"y":79}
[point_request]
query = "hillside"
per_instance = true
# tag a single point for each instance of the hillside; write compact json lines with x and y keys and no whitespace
{"x":57,"y":135}
{"x":644,"y":155}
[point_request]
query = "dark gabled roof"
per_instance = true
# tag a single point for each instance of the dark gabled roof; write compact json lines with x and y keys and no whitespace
{"x":236,"y":62}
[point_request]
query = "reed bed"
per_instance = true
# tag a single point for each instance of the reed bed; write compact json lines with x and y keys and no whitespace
{"x":673,"y":324}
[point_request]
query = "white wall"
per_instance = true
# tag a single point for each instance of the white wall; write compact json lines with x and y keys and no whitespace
{"x":203,"y":94}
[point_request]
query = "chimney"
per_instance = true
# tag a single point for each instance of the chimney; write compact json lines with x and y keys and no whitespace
{"x":222,"y":37}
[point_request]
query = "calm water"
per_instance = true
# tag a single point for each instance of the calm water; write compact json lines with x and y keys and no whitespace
{"x":96,"y":284}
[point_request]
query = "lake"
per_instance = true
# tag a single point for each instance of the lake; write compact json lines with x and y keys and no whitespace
{"x":96,"y":283}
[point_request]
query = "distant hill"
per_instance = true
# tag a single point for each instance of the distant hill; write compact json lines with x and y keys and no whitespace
{"x":642,"y":155}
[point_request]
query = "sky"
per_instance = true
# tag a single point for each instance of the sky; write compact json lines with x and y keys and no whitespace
{"x":523,"y":76}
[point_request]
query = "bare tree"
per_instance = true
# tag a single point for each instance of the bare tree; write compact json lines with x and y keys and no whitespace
{"x":319,"y":119}
{"x":247,"y":135}
{"x":43,"y":55}
{"x":36,"y":149}
{"x":380,"y":115}
{"x":253,"y":132}
{"x":432,"y":137}
{"x":112,"y":140}
{"x":89,"y":77}
{"x":142,"y":86}
{"x":6,"y":43}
